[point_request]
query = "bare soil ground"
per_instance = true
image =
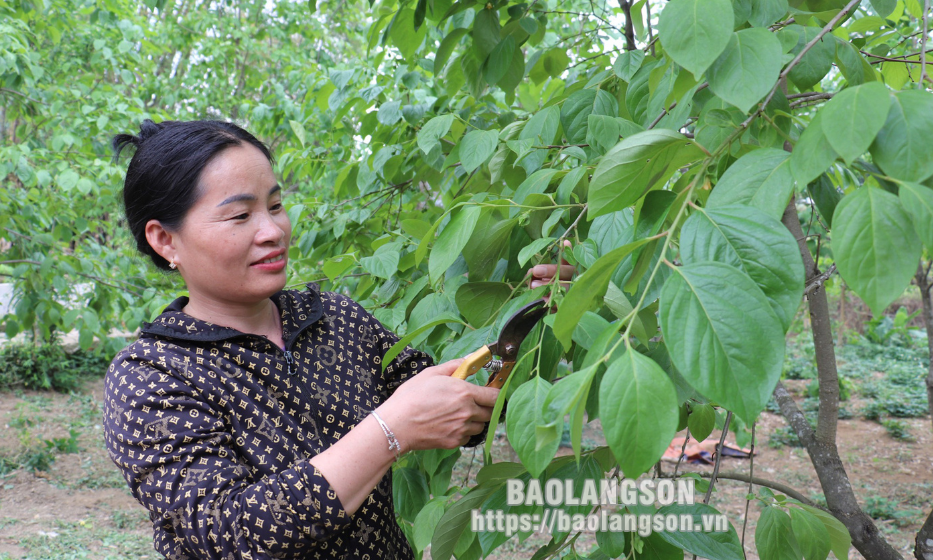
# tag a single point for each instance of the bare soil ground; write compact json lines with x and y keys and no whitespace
{"x":80,"y":507}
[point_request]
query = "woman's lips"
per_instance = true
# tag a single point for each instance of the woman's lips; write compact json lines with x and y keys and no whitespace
{"x":272,"y":264}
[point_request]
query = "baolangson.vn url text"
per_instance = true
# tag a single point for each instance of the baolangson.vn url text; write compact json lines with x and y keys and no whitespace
{"x":559,"y":521}
{"x":554,"y":493}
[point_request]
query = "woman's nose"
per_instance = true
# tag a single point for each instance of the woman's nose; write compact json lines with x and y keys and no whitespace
{"x":269,"y":230}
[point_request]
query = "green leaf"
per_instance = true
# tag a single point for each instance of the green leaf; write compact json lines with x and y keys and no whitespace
{"x":611,"y":543}
{"x":722,"y":335}
{"x":747,"y":70}
{"x":883,"y":8}
{"x":488,"y":244}
{"x":586,"y":290}
{"x":853,"y":118}
{"x":917,"y":200}
{"x":485,"y":32}
{"x":478,"y":301}
{"x":875,"y":246}
{"x":902,"y":148}
{"x":817,"y":62}
{"x":452,"y":240}
{"x":765,"y":12}
{"x":335,"y":266}
{"x":761,"y":178}
{"x":812,"y":154}
{"x":638,"y":411}
{"x":839,"y":539}
{"x":404,"y":35}
{"x":389,"y":113}
{"x":564,"y":397}
{"x":754,"y":243}
{"x":602,"y":132}
{"x":620,"y":306}
{"x":533,"y":249}
{"x":67,"y":179}
{"x":446,"y":47}
{"x":810,"y":533}
{"x":774,"y":537}
{"x":476,"y":147}
{"x":430,"y":134}
{"x":426,"y":521}
{"x":701,"y":421}
{"x":636,"y":164}
{"x":383,"y":263}
{"x":542,"y":130}
{"x":409,"y":491}
{"x":715,"y":545}
{"x":627,"y":63}
{"x":521,"y":420}
{"x":499,"y":61}
{"x":826,"y":197}
{"x":455,"y":522}
{"x":299,"y":131}
{"x":695,"y":32}
{"x":397,"y":348}
{"x":416,"y":228}
{"x":579,"y":106}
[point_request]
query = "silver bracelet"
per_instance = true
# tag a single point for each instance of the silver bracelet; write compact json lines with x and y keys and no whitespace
{"x":393,"y":441}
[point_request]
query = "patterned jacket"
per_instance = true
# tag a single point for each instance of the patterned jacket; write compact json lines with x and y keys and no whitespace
{"x":213,"y":428}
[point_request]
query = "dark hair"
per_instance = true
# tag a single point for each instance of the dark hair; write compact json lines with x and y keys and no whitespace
{"x":163,"y":175}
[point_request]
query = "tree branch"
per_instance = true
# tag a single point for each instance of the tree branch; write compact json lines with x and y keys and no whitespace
{"x":722,"y":441}
{"x":923,"y":44}
{"x":23,"y":95}
{"x":626,"y":7}
{"x":784,"y":73}
{"x":782,"y":488}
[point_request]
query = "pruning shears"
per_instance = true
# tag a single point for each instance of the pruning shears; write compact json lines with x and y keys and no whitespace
{"x":514,"y":331}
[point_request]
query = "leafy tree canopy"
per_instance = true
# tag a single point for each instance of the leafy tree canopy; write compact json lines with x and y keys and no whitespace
{"x":433,"y":150}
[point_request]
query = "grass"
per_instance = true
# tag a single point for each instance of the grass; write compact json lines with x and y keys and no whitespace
{"x":889,"y":378}
{"x":84,"y":540}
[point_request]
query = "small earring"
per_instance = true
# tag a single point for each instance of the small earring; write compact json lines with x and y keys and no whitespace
{"x":172,"y":264}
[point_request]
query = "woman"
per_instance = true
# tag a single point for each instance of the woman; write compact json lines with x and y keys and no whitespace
{"x":250,"y":421}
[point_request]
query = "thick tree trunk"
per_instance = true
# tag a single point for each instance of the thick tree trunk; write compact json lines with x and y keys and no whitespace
{"x":626,"y":6}
{"x":821,"y":444}
{"x":841,"y":327}
{"x":923,"y":545}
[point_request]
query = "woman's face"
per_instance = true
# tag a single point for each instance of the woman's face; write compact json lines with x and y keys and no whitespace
{"x":233,"y":244}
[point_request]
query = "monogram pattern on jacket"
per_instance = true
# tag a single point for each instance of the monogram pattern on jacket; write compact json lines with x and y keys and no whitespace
{"x":213,"y":428}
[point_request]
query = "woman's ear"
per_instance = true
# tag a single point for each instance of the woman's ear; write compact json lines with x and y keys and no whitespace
{"x":161,"y":240}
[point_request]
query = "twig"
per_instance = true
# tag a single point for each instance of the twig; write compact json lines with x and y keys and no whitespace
{"x":812,"y":98}
{"x":817,"y":283}
{"x":680,"y":457}
{"x":790,"y":66}
{"x":880,"y":59}
{"x":751,"y":478}
{"x":23,"y":95}
{"x":923,"y":43}
{"x":655,"y":122}
{"x":607,"y":22}
{"x":722,"y":442}
{"x":805,"y":94}
{"x":784,"y":489}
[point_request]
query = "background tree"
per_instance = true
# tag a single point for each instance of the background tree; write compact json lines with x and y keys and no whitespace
{"x":700,"y":155}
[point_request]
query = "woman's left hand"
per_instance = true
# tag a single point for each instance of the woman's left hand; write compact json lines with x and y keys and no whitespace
{"x":543,"y":274}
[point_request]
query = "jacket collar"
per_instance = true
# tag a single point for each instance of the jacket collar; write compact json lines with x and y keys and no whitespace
{"x":299,"y":310}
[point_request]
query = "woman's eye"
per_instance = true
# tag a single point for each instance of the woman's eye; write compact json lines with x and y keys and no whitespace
{"x":276,"y":207}
{"x":241,"y":216}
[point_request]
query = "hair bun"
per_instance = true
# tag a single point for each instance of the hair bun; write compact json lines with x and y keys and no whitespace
{"x":149,"y":129}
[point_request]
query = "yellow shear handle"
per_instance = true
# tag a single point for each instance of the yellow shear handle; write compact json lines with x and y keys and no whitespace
{"x":498,"y":379}
{"x":473,"y":362}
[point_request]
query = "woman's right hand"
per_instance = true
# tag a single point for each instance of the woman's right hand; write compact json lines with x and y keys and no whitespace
{"x":433,"y":410}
